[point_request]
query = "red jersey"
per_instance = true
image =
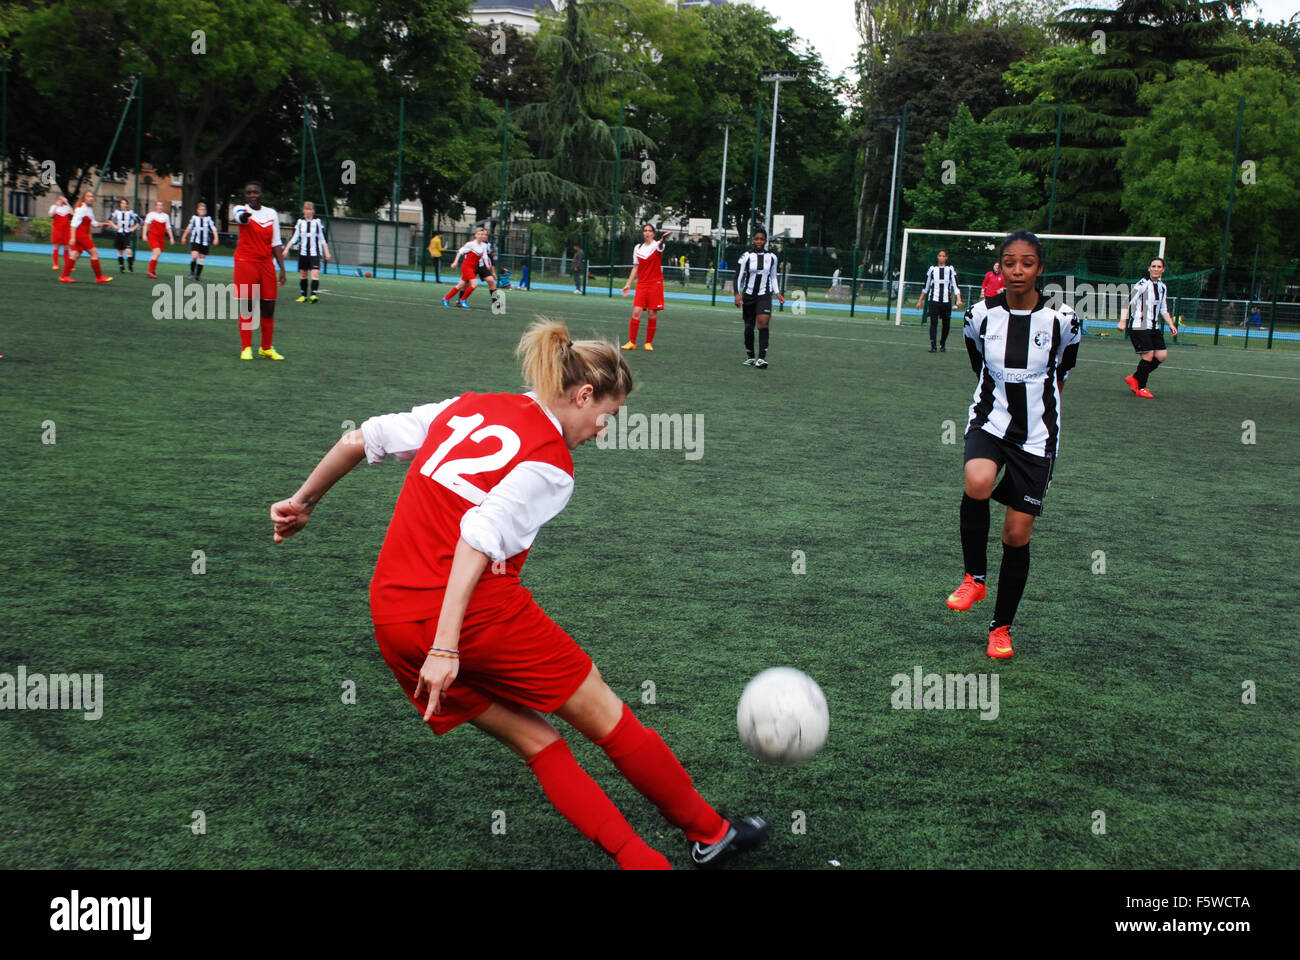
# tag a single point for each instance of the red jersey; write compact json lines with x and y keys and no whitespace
{"x":258,"y":235}
{"x":60,"y":222}
{"x":649,"y":263}
{"x":83,"y":218}
{"x":475,"y":253}
{"x":994,"y":283}
{"x":492,"y":468}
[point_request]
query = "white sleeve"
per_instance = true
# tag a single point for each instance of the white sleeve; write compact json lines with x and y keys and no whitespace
{"x":507,"y":521}
{"x":952,"y":278}
{"x":400,"y":434}
{"x":297,"y":233}
{"x":275,"y":232}
{"x":465,"y":249}
{"x":776,"y":286}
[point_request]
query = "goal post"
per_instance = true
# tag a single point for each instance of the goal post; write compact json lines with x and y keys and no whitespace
{"x":984,"y":243}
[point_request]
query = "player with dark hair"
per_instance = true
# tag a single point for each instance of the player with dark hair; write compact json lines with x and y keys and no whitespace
{"x":464,"y":638}
{"x":125,"y":222}
{"x":1148,"y":301}
{"x":941,"y":285}
{"x":648,"y":276}
{"x":756,"y":285}
{"x":257,"y":255}
{"x":1022,"y":349}
{"x":201,"y":233}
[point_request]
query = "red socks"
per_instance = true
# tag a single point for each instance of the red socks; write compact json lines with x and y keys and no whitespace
{"x":641,"y":755}
{"x":94,"y":265}
{"x":67,"y":265}
{"x":56,"y":256}
{"x":650,"y":329}
{"x":587,"y":807}
{"x":633,"y":326}
{"x":464,"y":294}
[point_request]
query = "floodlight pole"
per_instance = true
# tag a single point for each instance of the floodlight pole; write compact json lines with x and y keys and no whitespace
{"x":893,"y":182}
{"x":774,"y":77}
{"x":722,"y":197}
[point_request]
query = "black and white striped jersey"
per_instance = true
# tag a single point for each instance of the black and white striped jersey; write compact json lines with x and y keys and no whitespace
{"x":202,"y":230}
{"x":1019,"y":357}
{"x":1147,"y":303}
{"x":309,"y":235}
{"x":124,"y":220}
{"x":940,"y":283}
{"x":756,"y":274}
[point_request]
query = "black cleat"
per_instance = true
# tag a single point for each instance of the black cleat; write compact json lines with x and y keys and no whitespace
{"x":741,"y":835}
{"x":932,"y":348}
{"x":943,"y":349}
{"x":761,"y":363}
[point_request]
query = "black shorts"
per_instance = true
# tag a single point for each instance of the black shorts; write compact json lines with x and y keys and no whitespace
{"x":1144,"y":341}
{"x":308,"y":262}
{"x":121,"y":241}
{"x":199,"y":248}
{"x":753,"y":305}
{"x":484,"y":271}
{"x":940,"y":310}
{"x":1025,"y":481}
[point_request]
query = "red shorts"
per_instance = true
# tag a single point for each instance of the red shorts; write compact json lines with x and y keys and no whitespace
{"x":650,"y":296}
{"x":60,"y":237}
{"x":260,"y":273}
{"x":82,"y":245}
{"x":525,"y":660}
{"x":468,"y":273}
{"x":157,"y":236}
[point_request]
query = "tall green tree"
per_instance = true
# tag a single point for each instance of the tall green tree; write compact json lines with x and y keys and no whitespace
{"x":971,"y":179}
{"x":572,"y":176}
{"x":210,"y":69}
{"x":1177,"y":162}
{"x":1110,"y":55}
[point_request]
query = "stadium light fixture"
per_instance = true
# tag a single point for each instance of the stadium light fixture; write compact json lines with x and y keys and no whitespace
{"x":776,"y":78}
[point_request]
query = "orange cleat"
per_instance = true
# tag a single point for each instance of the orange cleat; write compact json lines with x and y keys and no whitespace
{"x":104,"y":279}
{"x":967,"y":595}
{"x":1132,"y":382}
{"x":1147,"y":394}
{"x":66,"y":279}
{"x":630,"y":345}
{"x":1000,"y":644}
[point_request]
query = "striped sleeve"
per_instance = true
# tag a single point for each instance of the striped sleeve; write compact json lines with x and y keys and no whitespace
{"x":971,"y":334}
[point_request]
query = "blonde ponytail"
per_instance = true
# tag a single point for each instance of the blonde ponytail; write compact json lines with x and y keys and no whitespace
{"x":553,"y":364}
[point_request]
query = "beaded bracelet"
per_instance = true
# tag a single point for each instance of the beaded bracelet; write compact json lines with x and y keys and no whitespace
{"x":441,"y":652}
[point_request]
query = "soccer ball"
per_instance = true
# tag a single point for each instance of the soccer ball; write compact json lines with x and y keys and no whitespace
{"x":782,"y":716}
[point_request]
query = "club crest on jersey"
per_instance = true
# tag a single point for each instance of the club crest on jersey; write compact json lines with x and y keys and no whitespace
{"x":1042,"y":339}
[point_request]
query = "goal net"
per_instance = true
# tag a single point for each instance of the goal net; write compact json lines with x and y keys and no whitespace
{"x":1091,"y":273}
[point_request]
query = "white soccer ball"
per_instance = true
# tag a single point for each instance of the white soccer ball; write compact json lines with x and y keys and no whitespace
{"x":782,"y":716}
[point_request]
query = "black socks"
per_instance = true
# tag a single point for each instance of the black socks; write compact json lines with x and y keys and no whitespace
{"x":749,"y":339}
{"x":1011,"y":584}
{"x":975,"y":536}
{"x":762,"y":341}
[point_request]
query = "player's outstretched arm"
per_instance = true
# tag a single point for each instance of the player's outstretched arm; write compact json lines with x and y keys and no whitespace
{"x":290,"y":516}
{"x":440,"y":668}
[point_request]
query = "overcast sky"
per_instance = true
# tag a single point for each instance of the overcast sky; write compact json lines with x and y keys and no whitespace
{"x":830,"y":27}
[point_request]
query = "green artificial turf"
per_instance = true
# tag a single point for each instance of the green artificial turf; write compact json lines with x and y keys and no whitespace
{"x":223,"y":692}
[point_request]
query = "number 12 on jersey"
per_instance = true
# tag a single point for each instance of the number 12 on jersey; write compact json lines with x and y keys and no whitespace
{"x":452,"y":474}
